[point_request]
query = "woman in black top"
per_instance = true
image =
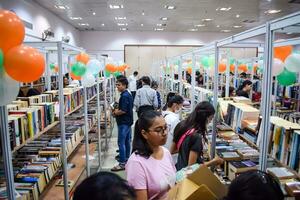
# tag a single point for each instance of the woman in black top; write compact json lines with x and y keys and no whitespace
{"x":190,"y":135}
{"x":244,"y":89}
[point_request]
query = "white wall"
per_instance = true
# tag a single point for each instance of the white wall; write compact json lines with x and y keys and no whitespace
{"x":41,"y":20}
{"x":112,"y":43}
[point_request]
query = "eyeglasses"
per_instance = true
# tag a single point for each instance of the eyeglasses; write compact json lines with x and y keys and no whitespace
{"x":160,"y":130}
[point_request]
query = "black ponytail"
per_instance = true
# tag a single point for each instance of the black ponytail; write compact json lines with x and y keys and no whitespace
{"x":175,"y":99}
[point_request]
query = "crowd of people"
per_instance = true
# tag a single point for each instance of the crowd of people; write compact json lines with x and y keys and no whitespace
{"x":162,"y":145}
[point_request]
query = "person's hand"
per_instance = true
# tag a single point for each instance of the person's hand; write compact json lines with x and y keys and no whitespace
{"x":218,"y":161}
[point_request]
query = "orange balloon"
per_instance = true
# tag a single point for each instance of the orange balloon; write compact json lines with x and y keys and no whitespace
{"x":56,"y":68}
{"x":83,"y":57}
{"x":232,"y":67}
{"x":111,"y":68}
{"x":282,"y":52}
{"x":243,"y":68}
{"x":189,"y":70}
{"x":12,"y":30}
{"x":24,"y":64}
{"x":74,"y":77}
{"x":222,"y":67}
{"x":255,"y":66}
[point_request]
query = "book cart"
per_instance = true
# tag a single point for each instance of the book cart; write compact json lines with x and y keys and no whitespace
{"x":278,"y":138}
{"x":71,"y":148}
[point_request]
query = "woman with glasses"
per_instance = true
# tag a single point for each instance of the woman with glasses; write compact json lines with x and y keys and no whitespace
{"x":190,"y":136}
{"x":150,"y":168}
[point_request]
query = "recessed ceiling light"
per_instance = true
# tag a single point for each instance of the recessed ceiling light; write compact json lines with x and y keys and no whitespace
{"x":83,"y":24}
{"x":143,"y":13}
{"x":61,"y":7}
{"x":158,"y":24}
{"x":218,"y":26}
{"x":123,"y":29}
{"x":142,"y":24}
{"x":158,"y":29}
{"x":169,"y":7}
{"x":164,"y":18}
{"x":237,"y":26}
{"x":225,"y":31}
{"x":75,"y":18}
{"x":102,"y":24}
{"x":237,"y":16}
{"x":115,"y":6}
{"x":94,"y":13}
{"x":120,"y":18}
{"x":272,"y":11}
{"x":199,"y":25}
{"x":207,"y":20}
{"x":122,"y":24}
{"x":193,"y":29}
{"x":223,"y":9}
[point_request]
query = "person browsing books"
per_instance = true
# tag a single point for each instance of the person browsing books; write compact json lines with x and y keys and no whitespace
{"x":124,"y":118}
{"x":190,"y":135}
{"x":244,"y":89}
{"x":150,"y":168}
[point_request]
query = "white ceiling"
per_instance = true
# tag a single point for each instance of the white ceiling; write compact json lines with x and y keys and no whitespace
{"x":187,"y":14}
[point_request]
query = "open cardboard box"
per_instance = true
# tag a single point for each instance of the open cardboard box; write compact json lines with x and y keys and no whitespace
{"x":200,"y":185}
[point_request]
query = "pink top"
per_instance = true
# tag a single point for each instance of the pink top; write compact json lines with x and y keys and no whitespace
{"x":155,"y":176}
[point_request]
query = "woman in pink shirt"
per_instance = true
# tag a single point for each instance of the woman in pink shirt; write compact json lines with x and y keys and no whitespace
{"x":150,"y":168}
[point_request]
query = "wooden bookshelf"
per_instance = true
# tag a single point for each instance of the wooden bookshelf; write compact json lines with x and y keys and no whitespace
{"x":36,"y":136}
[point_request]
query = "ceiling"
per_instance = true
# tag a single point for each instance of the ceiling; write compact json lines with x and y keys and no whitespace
{"x":145,"y":15}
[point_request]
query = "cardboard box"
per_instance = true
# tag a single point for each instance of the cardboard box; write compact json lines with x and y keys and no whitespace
{"x":200,"y":185}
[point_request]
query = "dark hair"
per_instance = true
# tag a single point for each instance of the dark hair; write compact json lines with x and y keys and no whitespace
{"x":169,"y":95}
{"x":256,"y":185}
{"x":140,"y":145}
{"x":135,"y":73}
{"x":243,"y":75}
{"x":123,"y":80}
{"x":198,"y":120}
{"x":154,"y":84}
{"x":104,"y":186}
{"x":245,"y":83}
{"x":231,"y":89}
{"x":146,"y":80}
{"x":175,"y":99}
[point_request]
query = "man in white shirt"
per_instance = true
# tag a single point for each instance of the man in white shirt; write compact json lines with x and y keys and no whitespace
{"x":132,"y":83}
{"x":146,"y":98}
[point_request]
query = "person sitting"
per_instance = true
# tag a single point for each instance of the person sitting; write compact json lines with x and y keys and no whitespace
{"x":244,"y":89}
{"x":232,"y":91}
{"x":104,"y":186}
{"x":256,"y":185}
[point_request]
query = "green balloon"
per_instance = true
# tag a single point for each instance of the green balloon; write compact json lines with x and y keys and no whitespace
{"x":1,"y":58}
{"x":205,"y":62}
{"x":231,"y":61}
{"x":116,"y":74}
{"x":107,"y":74}
{"x":78,"y":69}
{"x":52,"y":66}
{"x":286,"y":78}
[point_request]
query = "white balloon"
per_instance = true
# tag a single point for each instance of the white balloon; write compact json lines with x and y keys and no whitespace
{"x":93,"y":66}
{"x":278,"y":67}
{"x":88,"y":80}
{"x":292,"y":62}
{"x":9,"y":89}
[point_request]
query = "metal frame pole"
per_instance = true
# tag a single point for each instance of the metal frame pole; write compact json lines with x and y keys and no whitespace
{"x":6,"y":153}
{"x":62,"y":120}
{"x":86,"y":132}
{"x":48,"y":73}
{"x":180,"y":75}
{"x":98,"y":123}
{"x":215,"y":103}
{"x":235,"y":78}
{"x":68,"y":67}
{"x":105,"y":112}
{"x":252,"y":79}
{"x":266,"y":98}
{"x":193,"y":81}
{"x":227,"y":78}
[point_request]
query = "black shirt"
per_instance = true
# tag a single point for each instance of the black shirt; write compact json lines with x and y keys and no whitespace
{"x":242,"y":93}
{"x":194,"y":143}
{"x":126,"y":105}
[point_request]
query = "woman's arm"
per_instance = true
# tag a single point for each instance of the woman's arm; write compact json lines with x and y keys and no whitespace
{"x":193,"y":155}
{"x":214,"y":162}
{"x":173,"y":148}
{"x":141,"y":194}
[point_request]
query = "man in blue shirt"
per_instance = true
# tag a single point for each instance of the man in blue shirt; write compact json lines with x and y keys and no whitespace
{"x":124,"y":118}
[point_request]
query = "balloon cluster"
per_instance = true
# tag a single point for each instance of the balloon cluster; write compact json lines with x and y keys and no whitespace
{"x":115,"y":70}
{"x":18,"y":62}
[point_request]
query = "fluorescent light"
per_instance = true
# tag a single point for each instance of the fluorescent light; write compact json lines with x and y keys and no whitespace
{"x":169,"y":7}
{"x":115,"y":6}
{"x":94,"y":13}
{"x":122,"y":24}
{"x":237,"y":16}
{"x":75,"y":18}
{"x":164,"y":18}
{"x":83,"y":24}
{"x":61,"y":7}
{"x":142,"y":24}
{"x":272,"y":11}
{"x":102,"y":24}
{"x":123,"y":29}
{"x":158,"y":29}
{"x":158,"y":24}
{"x":120,"y":18}
{"x":218,"y":26}
{"x":289,"y":33}
{"x":237,"y":26}
{"x":199,"y":25}
{"x":225,"y":31}
{"x":193,"y":29}
{"x":207,"y":20}
{"x":143,"y":13}
{"x":223,"y":9}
